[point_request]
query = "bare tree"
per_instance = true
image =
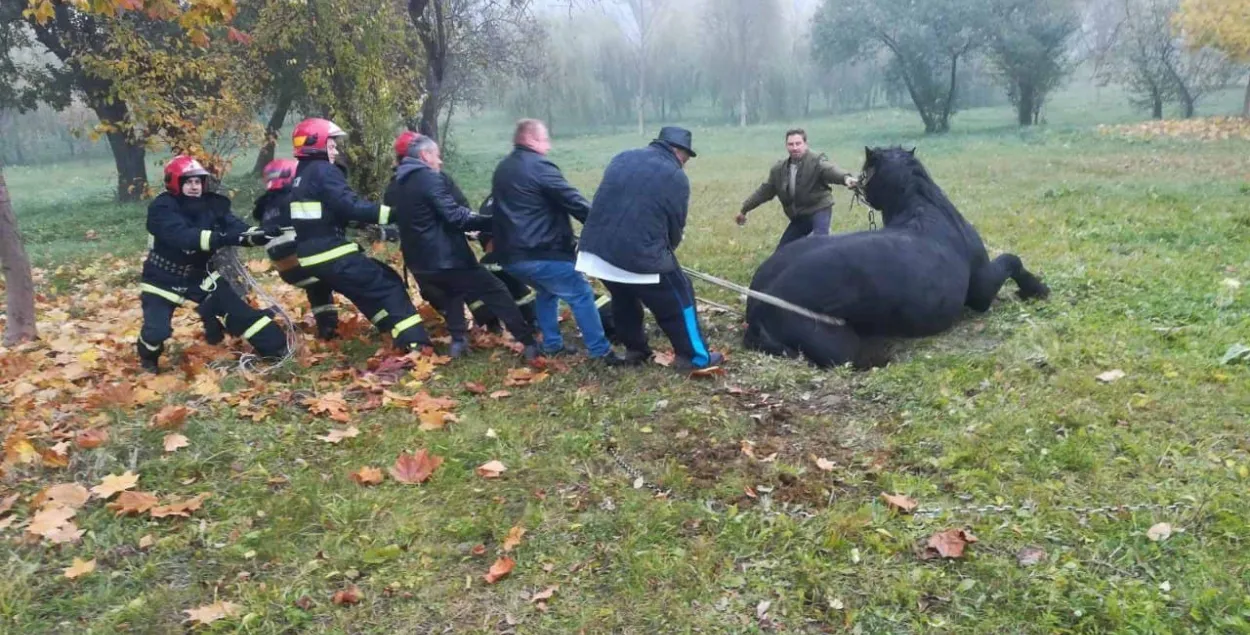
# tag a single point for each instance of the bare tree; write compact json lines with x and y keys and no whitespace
{"x":740,"y":34}
{"x":644,"y":22}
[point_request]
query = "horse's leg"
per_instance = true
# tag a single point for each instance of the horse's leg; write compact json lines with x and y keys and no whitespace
{"x":822,"y":344}
{"x":987,"y":280}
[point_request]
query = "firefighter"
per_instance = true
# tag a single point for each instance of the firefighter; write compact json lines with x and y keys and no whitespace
{"x":273,"y":212}
{"x":186,"y":225}
{"x":322,"y":206}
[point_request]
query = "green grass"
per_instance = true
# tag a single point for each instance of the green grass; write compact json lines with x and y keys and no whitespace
{"x":1134,"y":238}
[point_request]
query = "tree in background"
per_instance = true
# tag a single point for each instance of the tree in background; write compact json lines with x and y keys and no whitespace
{"x":645,"y":16}
{"x":740,"y":34}
{"x":1223,"y":25}
{"x":1028,"y":50}
{"x":927,"y":41}
{"x":278,"y":56}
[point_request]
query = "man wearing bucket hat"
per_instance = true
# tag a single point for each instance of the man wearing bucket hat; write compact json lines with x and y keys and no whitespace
{"x":634,"y":227}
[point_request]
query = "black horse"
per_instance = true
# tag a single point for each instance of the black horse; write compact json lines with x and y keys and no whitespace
{"x":911,"y":279}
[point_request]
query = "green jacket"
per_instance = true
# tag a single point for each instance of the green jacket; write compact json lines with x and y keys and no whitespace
{"x":811,"y":186}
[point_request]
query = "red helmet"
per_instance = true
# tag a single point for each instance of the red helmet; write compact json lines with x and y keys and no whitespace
{"x":310,"y":137}
{"x":404,"y":140}
{"x":279,"y":173}
{"x":182,"y":167}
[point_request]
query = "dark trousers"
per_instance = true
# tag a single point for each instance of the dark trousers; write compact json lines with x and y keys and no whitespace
{"x":671,"y":301}
{"x":320,"y":298}
{"x":378,"y":292}
{"x":816,"y":224}
{"x":449,"y":289}
{"x":522,"y":295}
{"x":218,"y":303}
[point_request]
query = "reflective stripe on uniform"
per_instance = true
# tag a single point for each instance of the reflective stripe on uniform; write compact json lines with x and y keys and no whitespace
{"x":476,"y":305}
{"x":151,"y":241}
{"x":149,"y":346}
{"x":528,"y":298}
{"x":384,"y":214}
{"x":308,"y":282}
{"x":490,"y":266}
{"x":599,"y":304}
{"x":406,"y":324}
{"x":159,"y":292}
{"x":327,"y":256}
{"x":305,"y":210}
{"x":379,"y":316}
{"x":324,"y":308}
{"x":206,"y":240}
{"x":256,"y":327}
{"x":210,"y":283}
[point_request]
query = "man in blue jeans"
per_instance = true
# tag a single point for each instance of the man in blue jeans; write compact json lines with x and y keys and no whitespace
{"x":534,"y":239}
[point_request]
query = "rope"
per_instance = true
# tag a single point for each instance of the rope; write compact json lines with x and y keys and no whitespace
{"x":765,"y":298}
{"x":230,"y":266}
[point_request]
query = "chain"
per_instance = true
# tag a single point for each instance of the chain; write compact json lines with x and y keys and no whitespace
{"x":634,"y":473}
{"x":858,"y":197}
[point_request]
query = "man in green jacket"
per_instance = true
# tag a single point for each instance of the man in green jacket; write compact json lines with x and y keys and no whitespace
{"x":801,"y":182}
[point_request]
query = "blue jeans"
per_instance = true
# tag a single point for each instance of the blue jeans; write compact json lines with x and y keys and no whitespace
{"x":555,"y":280}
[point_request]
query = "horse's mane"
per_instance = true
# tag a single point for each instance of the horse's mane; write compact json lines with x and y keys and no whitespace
{"x":898,"y":179}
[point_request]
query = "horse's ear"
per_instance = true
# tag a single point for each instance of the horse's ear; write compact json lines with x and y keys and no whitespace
{"x":867,"y":153}
{"x":912,"y":151}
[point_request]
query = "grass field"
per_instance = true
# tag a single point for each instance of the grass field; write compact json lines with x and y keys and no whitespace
{"x":1145,"y":244}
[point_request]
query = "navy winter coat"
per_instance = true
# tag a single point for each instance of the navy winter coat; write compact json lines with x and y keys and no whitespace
{"x":639,"y":213}
{"x":533,"y":203}
{"x":322,"y":207}
{"x":184,"y":234}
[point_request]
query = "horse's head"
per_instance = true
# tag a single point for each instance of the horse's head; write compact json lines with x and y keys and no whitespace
{"x":887,"y":174}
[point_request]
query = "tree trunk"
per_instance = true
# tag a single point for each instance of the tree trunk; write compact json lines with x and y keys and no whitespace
{"x":276,"y":121}
{"x":1024,"y":106}
{"x":19,"y":286}
{"x":1156,"y":109}
{"x":742,"y":108}
{"x":129,"y":156}
{"x":1245,"y":106}
{"x":944,"y":122}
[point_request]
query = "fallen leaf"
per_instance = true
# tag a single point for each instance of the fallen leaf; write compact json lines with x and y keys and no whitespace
{"x":1159,"y":532}
{"x":524,"y":377}
{"x":113,"y":484}
{"x":415,"y":468}
{"x":761,"y":609}
{"x":47,"y":521}
{"x":423,"y":402}
{"x":210,"y":613}
{"x":665,"y":359}
{"x":513,"y":539}
{"x":146,"y":542}
{"x":347,"y":597}
{"x":175,"y":441}
{"x":70,"y":495}
{"x":88,"y":439}
{"x":66,"y":534}
{"x":1111,"y":376}
{"x":304,"y":602}
{"x":1030,"y":556}
{"x":475,"y":388}
{"x":478,"y":550}
{"x":80,"y":568}
{"x":170,"y":417}
{"x":337,"y":435}
{"x":367,"y":476}
{"x":899,"y":502}
{"x":710,"y":371}
{"x":499,"y":570}
{"x":947,"y":544}
{"x":18,"y":450}
{"x":332,"y":405}
{"x":825,"y":464}
{"x":545,"y":594}
{"x":180,"y":508}
{"x":500,"y":394}
{"x":132,"y":503}
{"x":491,"y":469}
{"x":7,"y":503}
{"x":259,"y":265}
{"x":435,"y":420}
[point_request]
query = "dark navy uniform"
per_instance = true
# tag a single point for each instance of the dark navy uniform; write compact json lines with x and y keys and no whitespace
{"x":273,"y":212}
{"x":322,"y":206}
{"x":184,"y":233}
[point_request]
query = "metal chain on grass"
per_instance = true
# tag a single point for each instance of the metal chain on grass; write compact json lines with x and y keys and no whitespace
{"x":639,"y":480}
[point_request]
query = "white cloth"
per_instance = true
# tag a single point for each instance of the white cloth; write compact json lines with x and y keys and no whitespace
{"x":597,"y":267}
{"x":794,"y":173}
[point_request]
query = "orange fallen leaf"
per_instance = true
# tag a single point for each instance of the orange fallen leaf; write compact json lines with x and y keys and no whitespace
{"x":474,"y":387}
{"x":491,"y":469}
{"x":665,"y":358}
{"x":947,"y":544}
{"x":710,"y":371}
{"x":545,"y":594}
{"x":7,"y":503}
{"x":170,"y":417}
{"x":347,"y":597}
{"x":513,"y":539}
{"x":210,"y":613}
{"x":825,"y":464}
{"x":899,"y":502}
{"x":500,"y":394}
{"x":70,"y":495}
{"x":423,"y":402}
{"x":332,"y":405}
{"x":49,"y":520}
{"x":79,"y":568}
{"x":65,"y":534}
{"x":337,"y":435}
{"x":88,"y":439}
{"x":415,"y":468}
{"x":524,"y":377}
{"x":499,"y":570}
{"x":367,"y":476}
{"x":175,"y":441}
{"x":146,"y":541}
{"x":478,"y":550}
{"x":115,"y":483}
{"x":259,"y":265}
{"x":132,"y":503}
{"x":18,"y":450}
{"x":180,"y":508}
{"x":435,"y":420}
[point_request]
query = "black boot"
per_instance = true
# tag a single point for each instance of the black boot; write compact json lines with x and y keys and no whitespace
{"x":214,"y":332}
{"x":149,"y":358}
{"x":327,"y":325}
{"x":459,"y":348}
